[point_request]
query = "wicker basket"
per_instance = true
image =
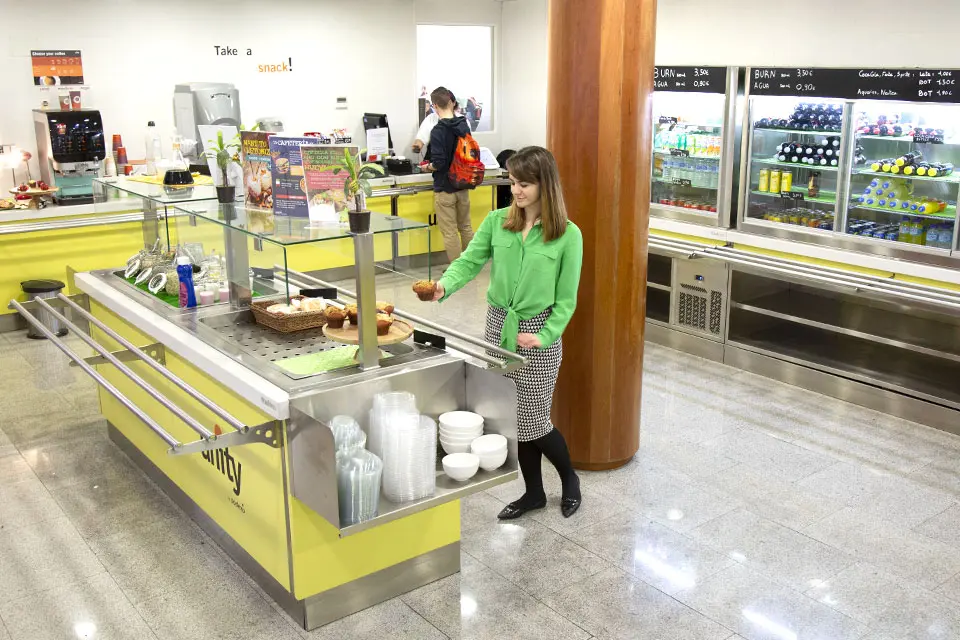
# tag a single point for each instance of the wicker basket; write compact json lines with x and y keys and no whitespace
{"x":287,"y":323}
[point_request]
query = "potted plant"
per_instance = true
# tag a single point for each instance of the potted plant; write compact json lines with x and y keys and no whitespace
{"x":225,"y":154}
{"x":357,"y":188}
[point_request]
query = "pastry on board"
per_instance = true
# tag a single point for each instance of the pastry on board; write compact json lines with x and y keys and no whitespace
{"x":335,"y":317}
{"x":384,"y":322}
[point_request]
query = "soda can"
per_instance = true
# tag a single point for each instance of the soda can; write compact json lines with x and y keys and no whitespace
{"x":786,"y":182}
{"x":764,"y":183}
{"x":774,"y":181}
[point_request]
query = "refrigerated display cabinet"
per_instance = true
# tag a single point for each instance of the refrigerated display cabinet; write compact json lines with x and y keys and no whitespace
{"x":870,"y":175}
{"x":695,"y":140}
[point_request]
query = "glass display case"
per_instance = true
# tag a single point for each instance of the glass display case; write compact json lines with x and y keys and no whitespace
{"x":794,"y":153}
{"x":259,"y":249}
{"x":857,"y":159}
{"x":903,"y":187}
{"x":155,"y":201}
{"x":695,"y":139}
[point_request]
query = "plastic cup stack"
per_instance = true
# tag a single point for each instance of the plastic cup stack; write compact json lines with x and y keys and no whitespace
{"x":385,"y":404}
{"x":359,"y":475}
{"x":409,"y":456}
{"x":347,"y":434}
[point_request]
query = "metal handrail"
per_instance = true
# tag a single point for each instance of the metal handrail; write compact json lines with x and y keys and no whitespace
{"x":854,"y":281}
{"x":907,"y":287}
{"x":426,"y":323}
{"x":156,"y":366}
{"x":152,"y":424}
{"x":822,"y":274}
{"x":72,"y":223}
{"x":189,"y":420}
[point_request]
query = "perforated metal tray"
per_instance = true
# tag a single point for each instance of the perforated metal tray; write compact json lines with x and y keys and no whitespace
{"x":240,"y":329}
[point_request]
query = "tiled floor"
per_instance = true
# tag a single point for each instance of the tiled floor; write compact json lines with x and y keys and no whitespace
{"x":752,"y":510}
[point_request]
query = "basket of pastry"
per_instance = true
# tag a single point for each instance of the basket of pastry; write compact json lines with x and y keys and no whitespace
{"x":300,"y":314}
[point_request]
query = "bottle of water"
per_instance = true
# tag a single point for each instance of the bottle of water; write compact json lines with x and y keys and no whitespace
{"x":946,"y":237}
{"x":153,"y":151}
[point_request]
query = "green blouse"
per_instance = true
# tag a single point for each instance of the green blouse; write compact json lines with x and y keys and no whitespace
{"x":527,"y":276}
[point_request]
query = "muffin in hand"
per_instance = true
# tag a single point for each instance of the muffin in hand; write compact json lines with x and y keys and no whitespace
{"x":384,"y":322}
{"x":425,"y":289}
{"x":335,"y":317}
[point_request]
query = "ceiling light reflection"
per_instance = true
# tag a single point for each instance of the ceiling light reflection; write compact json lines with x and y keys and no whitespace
{"x":468,"y":606}
{"x":674,"y":514}
{"x":85,"y":630}
{"x":679,"y":578}
{"x":769,"y":625}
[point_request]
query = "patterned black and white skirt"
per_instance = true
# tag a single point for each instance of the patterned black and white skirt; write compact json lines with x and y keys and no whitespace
{"x":536,"y":381}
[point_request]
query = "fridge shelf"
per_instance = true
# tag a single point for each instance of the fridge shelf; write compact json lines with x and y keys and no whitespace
{"x":799,"y":133}
{"x":667,"y":152}
{"x":949,"y":214}
{"x":818,"y":200}
{"x":951,"y":179}
{"x":792,"y":165}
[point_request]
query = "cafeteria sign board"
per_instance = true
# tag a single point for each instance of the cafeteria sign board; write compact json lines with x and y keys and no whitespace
{"x":56,"y":67}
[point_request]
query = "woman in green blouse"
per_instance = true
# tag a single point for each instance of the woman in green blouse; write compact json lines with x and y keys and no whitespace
{"x":537,"y":254}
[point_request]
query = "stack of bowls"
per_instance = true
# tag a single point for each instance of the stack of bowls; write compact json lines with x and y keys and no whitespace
{"x":458,"y":429}
{"x":491,"y":449}
{"x":358,"y":485}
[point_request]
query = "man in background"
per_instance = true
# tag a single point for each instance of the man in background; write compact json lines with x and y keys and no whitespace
{"x":451,"y":205}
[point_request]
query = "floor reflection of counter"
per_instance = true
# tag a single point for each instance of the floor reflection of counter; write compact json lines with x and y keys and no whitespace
{"x":274,"y":508}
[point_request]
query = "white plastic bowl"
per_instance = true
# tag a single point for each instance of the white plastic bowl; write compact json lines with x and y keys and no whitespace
{"x":455,"y":447}
{"x":459,"y":439}
{"x":461,"y":466}
{"x":490,"y":443}
{"x":492,"y":461}
{"x":460,"y":434}
{"x":461,"y":420}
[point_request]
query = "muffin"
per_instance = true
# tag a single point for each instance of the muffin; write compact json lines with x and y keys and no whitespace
{"x":384,"y":322}
{"x":425,"y":289}
{"x":384,"y":307}
{"x":351,"y":310}
{"x":335,"y":317}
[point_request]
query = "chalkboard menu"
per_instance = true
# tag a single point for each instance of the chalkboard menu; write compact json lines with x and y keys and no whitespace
{"x":908,"y":85}
{"x":690,"y":79}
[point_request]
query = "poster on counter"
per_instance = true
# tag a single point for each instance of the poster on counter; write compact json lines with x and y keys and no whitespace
{"x":257,"y":169}
{"x":56,"y":67}
{"x":289,"y":186}
{"x":324,"y":170}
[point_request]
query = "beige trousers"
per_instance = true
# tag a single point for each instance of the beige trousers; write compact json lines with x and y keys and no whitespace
{"x":453,"y":218}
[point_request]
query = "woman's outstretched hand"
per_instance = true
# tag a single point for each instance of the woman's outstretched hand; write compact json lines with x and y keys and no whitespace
{"x":528,"y":341}
{"x":438,"y":292}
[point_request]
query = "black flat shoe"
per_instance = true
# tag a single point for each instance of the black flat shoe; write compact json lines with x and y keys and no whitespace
{"x":569,"y":506}
{"x":514,"y":510}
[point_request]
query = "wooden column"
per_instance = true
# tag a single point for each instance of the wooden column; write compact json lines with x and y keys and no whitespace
{"x":599,"y":128}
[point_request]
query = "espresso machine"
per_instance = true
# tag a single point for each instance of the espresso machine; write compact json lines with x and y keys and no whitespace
{"x":70,"y":147}
{"x":201,"y":103}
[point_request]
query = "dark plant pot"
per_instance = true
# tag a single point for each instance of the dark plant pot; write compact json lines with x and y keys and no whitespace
{"x":226,"y":194}
{"x":359,"y":221}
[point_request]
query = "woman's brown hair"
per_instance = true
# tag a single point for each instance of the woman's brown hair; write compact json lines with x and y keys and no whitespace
{"x":538,"y":166}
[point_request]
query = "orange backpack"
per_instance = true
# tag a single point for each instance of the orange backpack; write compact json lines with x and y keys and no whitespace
{"x":466,"y":170}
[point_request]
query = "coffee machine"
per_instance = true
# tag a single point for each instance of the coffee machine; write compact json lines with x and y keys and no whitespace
{"x":70,"y":146}
{"x":200,"y":103}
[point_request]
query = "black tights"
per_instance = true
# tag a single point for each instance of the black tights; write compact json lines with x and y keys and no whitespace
{"x":554,"y":447}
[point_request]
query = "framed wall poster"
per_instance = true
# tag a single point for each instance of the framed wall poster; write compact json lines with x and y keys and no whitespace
{"x":324,"y":169}
{"x":289,"y":185}
{"x":56,"y":67}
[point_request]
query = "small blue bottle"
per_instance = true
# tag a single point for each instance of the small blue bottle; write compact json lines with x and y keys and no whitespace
{"x":188,"y":297}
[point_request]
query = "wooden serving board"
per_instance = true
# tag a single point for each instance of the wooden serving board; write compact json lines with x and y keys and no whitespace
{"x":350,"y":334}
